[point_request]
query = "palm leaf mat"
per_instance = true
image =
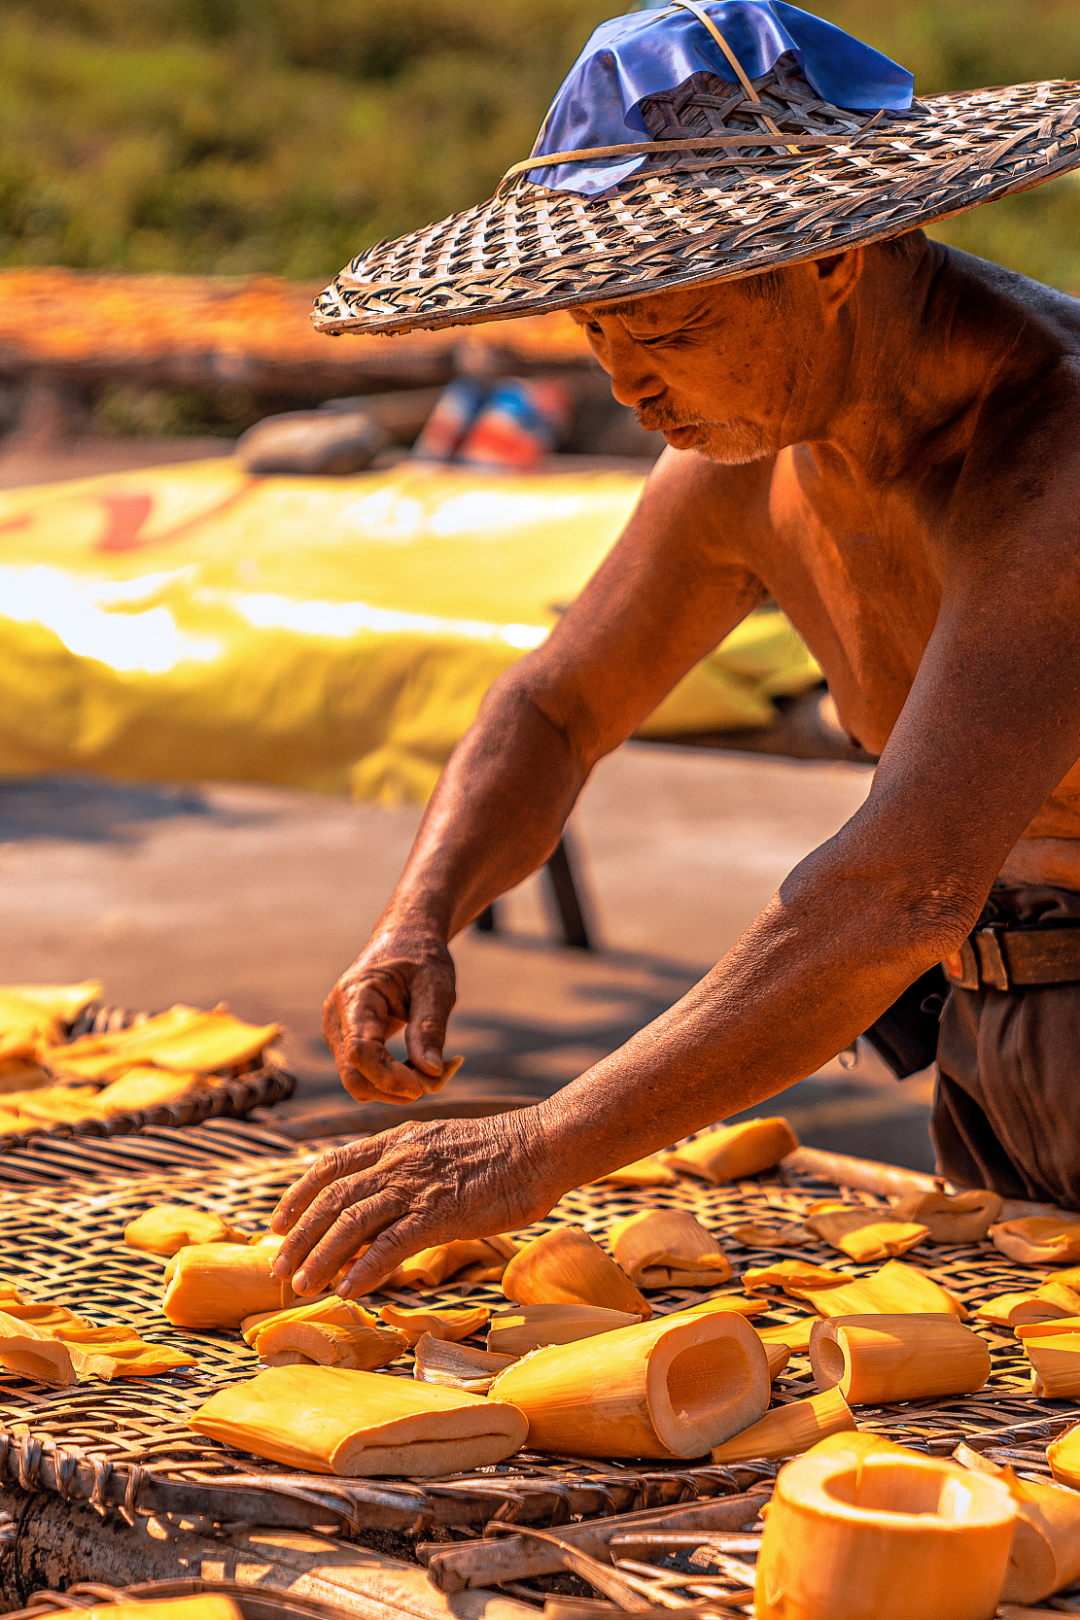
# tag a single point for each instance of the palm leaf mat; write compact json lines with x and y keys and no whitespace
{"x":126,"y":1443}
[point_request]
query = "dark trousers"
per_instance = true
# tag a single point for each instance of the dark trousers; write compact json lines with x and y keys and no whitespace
{"x":1007,"y":1107}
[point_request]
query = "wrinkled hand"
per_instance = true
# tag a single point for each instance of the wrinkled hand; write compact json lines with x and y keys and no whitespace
{"x":401,"y":981}
{"x":407,"y":1189}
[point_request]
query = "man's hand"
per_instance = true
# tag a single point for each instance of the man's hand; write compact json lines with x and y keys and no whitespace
{"x":401,"y":981}
{"x":407,"y":1189}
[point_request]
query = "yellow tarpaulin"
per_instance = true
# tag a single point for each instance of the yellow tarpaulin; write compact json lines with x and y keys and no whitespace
{"x":195,"y":622}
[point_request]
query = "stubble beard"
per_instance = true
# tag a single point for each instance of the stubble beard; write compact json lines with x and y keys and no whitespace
{"x":733,"y":443}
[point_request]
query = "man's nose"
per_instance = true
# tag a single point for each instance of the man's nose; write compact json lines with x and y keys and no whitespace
{"x":633,"y":379}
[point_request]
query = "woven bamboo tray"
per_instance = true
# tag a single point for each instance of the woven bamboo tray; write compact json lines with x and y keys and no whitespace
{"x":253,"y":1603}
{"x":126,"y":1443}
{"x":233,"y":1096}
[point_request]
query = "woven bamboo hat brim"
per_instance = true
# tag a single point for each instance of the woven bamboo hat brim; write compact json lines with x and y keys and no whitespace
{"x":714,"y":213}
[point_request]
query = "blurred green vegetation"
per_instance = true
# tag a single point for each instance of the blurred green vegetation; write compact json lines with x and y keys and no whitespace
{"x":285,"y":135}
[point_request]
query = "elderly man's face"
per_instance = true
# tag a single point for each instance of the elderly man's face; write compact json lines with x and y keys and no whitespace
{"x":715,"y":368}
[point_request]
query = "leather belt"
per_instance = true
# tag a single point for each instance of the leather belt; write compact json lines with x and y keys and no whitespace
{"x":994,"y":957}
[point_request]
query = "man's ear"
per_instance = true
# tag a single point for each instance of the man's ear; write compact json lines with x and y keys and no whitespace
{"x":837,"y":277}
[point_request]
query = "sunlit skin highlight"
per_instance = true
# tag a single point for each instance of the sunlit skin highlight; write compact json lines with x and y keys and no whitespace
{"x":887,"y":443}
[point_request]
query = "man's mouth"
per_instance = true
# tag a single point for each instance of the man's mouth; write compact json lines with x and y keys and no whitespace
{"x":681,"y":438}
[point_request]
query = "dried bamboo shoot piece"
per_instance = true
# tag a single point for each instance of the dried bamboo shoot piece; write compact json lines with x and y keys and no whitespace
{"x":1046,"y":1330}
{"x":895,"y":1288}
{"x":216,"y":1285}
{"x":793,"y":1274}
{"x":1061,"y":1295}
{"x":886,"y":1534}
{"x":1007,"y":1310}
{"x":167,"y":1228}
{"x":1055,"y":1365}
{"x":743,"y":1304}
{"x":794,"y":1335}
{"x":730,"y":1152}
{"x":464,"y":1259}
{"x":566,"y":1267}
{"x":964,"y":1217}
{"x":185,"y":1039}
{"x":652,"y":1171}
{"x":357,"y":1424}
{"x":777,"y":1354}
{"x":1039,"y":1240}
{"x":57,"y":1347}
{"x":63,"y":1002}
{"x":672,"y":1387}
{"x":785,"y":1431}
{"x":451,"y":1323}
{"x":865,"y":1234}
{"x":532,"y":1327}
{"x":457,"y":1366}
{"x":1063,"y":1455}
{"x":754,"y":1235}
{"x":358,"y":1348}
{"x":65,"y":1105}
{"x":204,"y":1606}
{"x":667,"y":1248}
{"x":1045,"y":1553}
{"x":328,"y":1310}
{"x":146,"y":1087}
{"x":879,"y":1359}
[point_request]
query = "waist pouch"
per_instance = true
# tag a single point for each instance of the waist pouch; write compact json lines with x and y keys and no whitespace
{"x":995,"y":956}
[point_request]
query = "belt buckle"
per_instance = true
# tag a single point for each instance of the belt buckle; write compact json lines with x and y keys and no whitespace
{"x":962,"y":967}
{"x":993,"y":968}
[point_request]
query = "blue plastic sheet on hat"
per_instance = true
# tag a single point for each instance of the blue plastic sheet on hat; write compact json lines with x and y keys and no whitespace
{"x":649,"y":52}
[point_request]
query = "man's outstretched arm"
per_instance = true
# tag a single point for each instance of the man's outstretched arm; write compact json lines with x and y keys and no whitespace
{"x":664,"y":597}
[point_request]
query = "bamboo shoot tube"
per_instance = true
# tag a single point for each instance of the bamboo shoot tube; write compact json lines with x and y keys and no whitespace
{"x":1055,"y":1365}
{"x":358,"y":1424}
{"x":167,"y":1228}
{"x":216,"y":1285}
{"x":530,"y":1327}
{"x":668,"y":1248}
{"x":785,"y":1431}
{"x":886,"y":1535}
{"x":795,"y":1335}
{"x":452,"y":1323}
{"x":879,"y":1359}
{"x":1045,"y":1553}
{"x":730,"y":1152}
{"x":964,"y":1217}
{"x":673,"y":1387}
{"x":565,"y":1267}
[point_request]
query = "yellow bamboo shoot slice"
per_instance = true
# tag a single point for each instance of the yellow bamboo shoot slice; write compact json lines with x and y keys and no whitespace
{"x":672,"y":1387}
{"x":743,"y":1304}
{"x":1045,"y":1330}
{"x":167,"y":1228}
{"x":530,"y":1327}
{"x":896,"y":1287}
{"x":358,"y":1424}
{"x":1045,"y":1553}
{"x":357,"y":1347}
{"x":879,"y":1359}
{"x":146,"y":1087}
{"x":466,"y":1259}
{"x":457,"y":1366}
{"x":56,"y":1347}
{"x":730,"y":1152}
{"x":1060,"y":1294}
{"x":777,"y":1354}
{"x":1008,"y":1310}
{"x":964,"y":1217}
{"x":565,"y":1267}
{"x":329,"y":1309}
{"x":204,"y":1606}
{"x":451,"y":1323}
{"x":754,"y":1235}
{"x":653,"y":1171}
{"x":882,"y":1535}
{"x":60,"y":1001}
{"x":1039,"y":1240}
{"x":793,"y":1274}
{"x":1063,"y":1455}
{"x":215,"y":1285}
{"x":667,"y":1248}
{"x":795,"y":1335}
{"x":1055,"y":1365}
{"x":785,"y":1431}
{"x":184,"y":1039}
{"x":866,"y":1234}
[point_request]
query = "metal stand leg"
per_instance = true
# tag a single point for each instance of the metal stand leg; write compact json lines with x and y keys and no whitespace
{"x":486,"y":921}
{"x":564,"y":891}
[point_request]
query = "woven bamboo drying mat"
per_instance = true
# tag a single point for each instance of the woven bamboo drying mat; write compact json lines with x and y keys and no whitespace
{"x":127,"y":1443}
{"x":231,"y":1097}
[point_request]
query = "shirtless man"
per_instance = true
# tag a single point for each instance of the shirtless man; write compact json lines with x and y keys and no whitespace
{"x":886,"y":441}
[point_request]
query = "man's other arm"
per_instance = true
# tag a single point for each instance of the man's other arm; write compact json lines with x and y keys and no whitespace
{"x":666,"y":594}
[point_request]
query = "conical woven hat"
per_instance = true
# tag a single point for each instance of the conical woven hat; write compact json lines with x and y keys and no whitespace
{"x":782,"y":177}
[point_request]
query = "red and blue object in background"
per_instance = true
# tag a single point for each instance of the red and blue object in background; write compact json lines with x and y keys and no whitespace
{"x":515,"y":423}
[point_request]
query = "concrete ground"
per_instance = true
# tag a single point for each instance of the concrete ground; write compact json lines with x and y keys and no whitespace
{"x":260,"y":897}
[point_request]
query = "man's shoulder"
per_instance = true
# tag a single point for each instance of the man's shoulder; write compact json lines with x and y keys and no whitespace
{"x":994,"y":297}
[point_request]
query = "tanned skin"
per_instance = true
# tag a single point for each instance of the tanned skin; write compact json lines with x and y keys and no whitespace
{"x":891,"y":448}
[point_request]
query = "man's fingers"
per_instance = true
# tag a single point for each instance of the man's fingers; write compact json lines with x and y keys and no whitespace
{"x":374,"y":1073}
{"x":353,"y":1228}
{"x":425,"y":1037}
{"x":384,"y":1254}
{"x":329,"y":1167}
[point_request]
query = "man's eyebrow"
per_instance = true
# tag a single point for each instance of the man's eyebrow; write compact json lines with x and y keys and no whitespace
{"x":634,"y":307}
